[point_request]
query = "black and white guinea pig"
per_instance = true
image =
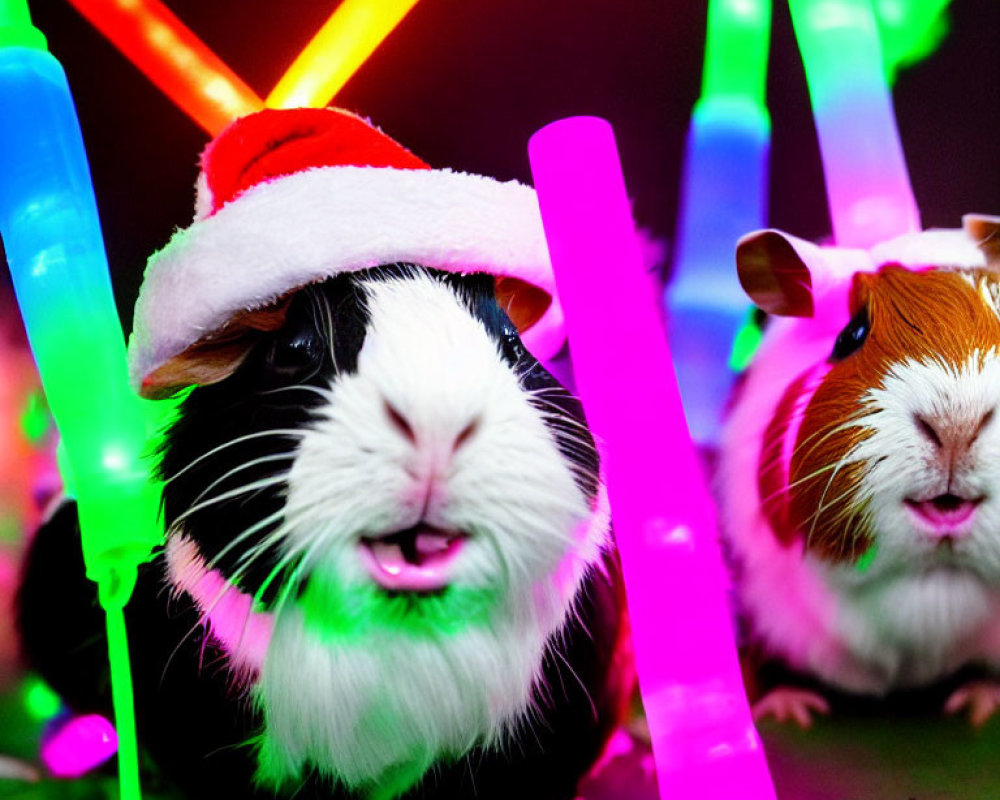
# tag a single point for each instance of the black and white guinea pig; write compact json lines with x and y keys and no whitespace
{"x":860,"y":467}
{"x":388,"y":569}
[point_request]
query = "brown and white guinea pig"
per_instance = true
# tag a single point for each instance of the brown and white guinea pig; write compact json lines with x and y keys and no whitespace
{"x":860,"y":467}
{"x":388,"y":569}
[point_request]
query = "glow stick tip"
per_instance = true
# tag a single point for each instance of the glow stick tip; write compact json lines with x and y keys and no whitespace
{"x":16,"y":29}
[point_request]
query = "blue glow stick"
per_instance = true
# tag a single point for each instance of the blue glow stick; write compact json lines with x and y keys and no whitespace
{"x":724,"y":195}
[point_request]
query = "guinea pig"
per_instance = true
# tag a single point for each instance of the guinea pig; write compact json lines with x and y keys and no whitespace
{"x":383,"y":569}
{"x":859,"y":472}
{"x":388,"y":570}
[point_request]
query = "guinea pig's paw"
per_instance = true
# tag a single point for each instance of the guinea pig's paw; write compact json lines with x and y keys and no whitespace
{"x":981,"y":698}
{"x":786,"y":703}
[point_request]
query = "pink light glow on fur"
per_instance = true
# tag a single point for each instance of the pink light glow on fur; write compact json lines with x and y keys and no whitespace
{"x":702,"y":735}
{"x":589,"y":536}
{"x":242,"y":632}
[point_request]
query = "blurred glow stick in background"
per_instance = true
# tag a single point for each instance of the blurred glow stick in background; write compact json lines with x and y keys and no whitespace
{"x":198,"y":81}
{"x":909,"y":30}
{"x":335,"y":53}
{"x":39,"y":700}
{"x":704,"y":741}
{"x":52,"y":238}
{"x":78,"y":745}
{"x":174,"y":59}
{"x":723,"y":195}
{"x":867,"y":184}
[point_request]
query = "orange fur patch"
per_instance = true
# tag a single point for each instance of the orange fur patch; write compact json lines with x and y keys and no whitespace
{"x":772,"y":471}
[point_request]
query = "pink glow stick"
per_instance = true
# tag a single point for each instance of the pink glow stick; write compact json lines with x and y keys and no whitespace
{"x":79,"y":745}
{"x":704,"y":741}
{"x":867,"y":184}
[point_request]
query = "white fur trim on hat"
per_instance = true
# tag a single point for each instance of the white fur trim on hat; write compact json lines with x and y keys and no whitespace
{"x":316,"y":223}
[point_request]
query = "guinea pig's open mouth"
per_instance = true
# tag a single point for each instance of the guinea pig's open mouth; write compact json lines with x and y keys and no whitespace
{"x":413,"y":560}
{"x":944,"y":515}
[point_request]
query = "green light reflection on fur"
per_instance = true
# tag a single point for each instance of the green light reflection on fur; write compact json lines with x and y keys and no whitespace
{"x":280,"y":778}
{"x":35,"y":420}
{"x":866,"y":559}
{"x":333,"y":611}
{"x":746,"y":343}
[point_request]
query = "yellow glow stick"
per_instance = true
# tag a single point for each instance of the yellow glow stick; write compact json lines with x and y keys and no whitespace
{"x":335,"y":53}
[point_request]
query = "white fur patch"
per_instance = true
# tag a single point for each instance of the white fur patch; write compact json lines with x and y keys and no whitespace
{"x":941,"y":248}
{"x":380,"y":707}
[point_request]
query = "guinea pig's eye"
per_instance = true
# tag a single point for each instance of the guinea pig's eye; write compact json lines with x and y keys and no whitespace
{"x":852,"y":336}
{"x":510,"y":343}
{"x":296,"y":352}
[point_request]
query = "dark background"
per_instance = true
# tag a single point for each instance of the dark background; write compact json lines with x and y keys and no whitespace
{"x":464,"y":83}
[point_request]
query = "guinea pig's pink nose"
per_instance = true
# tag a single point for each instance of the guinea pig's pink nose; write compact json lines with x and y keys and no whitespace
{"x":952,"y":434}
{"x":405,"y":428}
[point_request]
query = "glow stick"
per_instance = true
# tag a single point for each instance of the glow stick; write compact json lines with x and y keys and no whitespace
{"x":174,"y":59}
{"x":39,"y":700}
{"x":703,"y":739}
{"x":79,"y":745}
{"x":335,"y":53}
{"x":867,"y":185}
{"x":909,"y":30}
{"x":723,"y":195}
{"x":49,"y":224}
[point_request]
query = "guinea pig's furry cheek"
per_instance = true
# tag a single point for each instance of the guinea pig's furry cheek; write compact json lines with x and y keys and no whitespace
{"x":388,"y":655}
{"x":827,"y":505}
{"x":777,"y":449}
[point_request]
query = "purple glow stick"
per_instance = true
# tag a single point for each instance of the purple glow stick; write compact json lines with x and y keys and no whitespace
{"x":704,"y":741}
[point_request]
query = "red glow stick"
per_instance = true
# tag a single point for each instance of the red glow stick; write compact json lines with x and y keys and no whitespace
{"x":174,"y":59}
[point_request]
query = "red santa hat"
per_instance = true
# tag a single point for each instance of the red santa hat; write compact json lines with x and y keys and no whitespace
{"x":287,"y":198}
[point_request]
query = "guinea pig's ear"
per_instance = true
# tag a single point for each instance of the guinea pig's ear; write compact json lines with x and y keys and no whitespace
{"x":985,"y":232}
{"x":217,"y":356}
{"x":525,"y":304}
{"x":775,"y":270}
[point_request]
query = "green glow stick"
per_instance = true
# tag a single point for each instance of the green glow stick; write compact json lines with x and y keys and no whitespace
{"x":52,"y":238}
{"x":736,"y":50}
{"x":909,"y":30}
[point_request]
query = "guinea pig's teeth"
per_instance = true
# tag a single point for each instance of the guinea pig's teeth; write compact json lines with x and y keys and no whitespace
{"x":429,"y":543}
{"x":388,"y":556}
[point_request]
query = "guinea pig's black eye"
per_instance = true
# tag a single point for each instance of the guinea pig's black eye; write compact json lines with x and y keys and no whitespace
{"x":296,"y":352}
{"x":510,"y":343}
{"x":852,"y":336}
